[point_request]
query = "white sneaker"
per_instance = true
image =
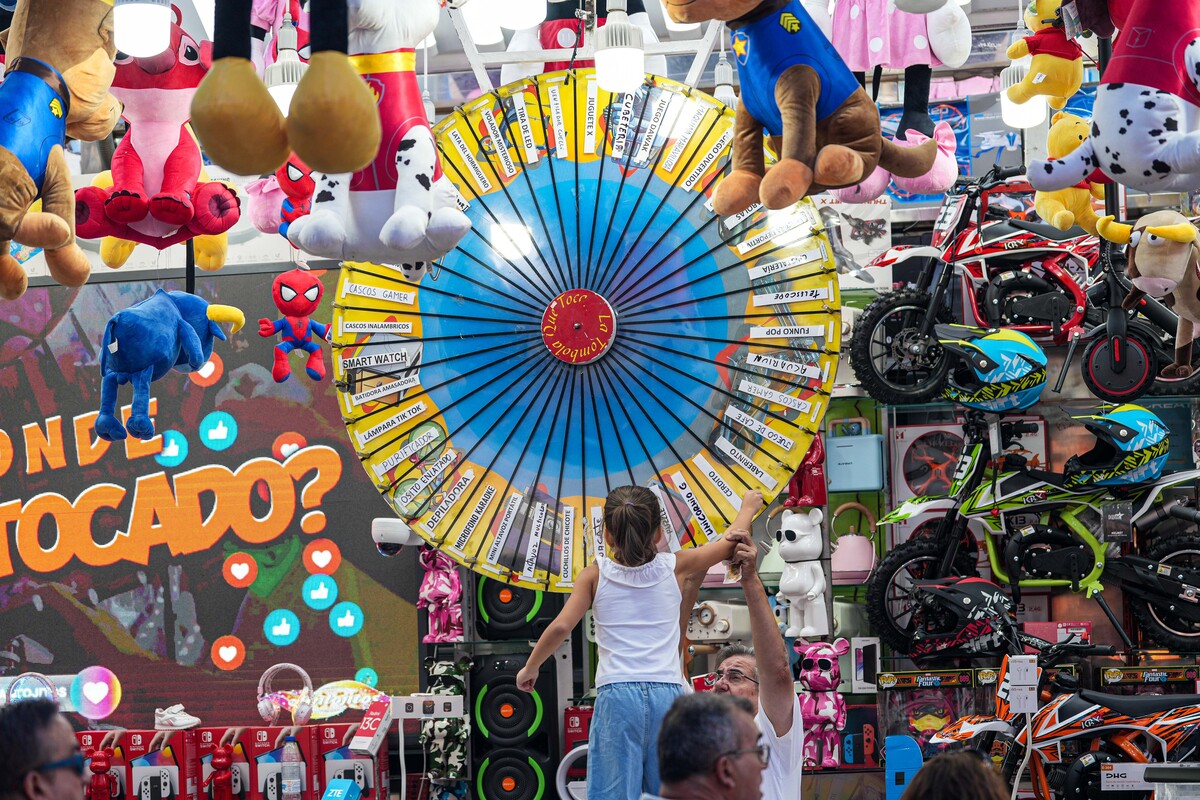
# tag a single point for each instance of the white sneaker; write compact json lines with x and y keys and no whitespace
{"x":174,"y":718}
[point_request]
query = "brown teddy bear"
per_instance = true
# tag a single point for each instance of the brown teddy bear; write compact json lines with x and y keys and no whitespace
{"x":794,"y":85}
{"x":59,"y":55}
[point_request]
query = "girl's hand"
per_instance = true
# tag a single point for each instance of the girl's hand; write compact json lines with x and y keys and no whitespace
{"x":526,"y":678}
{"x":752,"y":502}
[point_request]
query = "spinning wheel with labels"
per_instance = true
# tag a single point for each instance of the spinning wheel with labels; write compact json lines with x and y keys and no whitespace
{"x":598,"y":326}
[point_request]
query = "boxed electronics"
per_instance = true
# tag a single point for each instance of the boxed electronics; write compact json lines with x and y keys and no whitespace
{"x":266,"y":753}
{"x":241,"y":770}
{"x":921,"y":703}
{"x":161,"y":765}
{"x":577,"y":722}
{"x":90,"y":740}
{"x":339,"y":761}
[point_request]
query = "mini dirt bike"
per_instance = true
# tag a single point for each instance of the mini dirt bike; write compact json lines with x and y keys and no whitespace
{"x":1076,"y":731}
{"x":1052,"y":285}
{"x":1037,"y":536}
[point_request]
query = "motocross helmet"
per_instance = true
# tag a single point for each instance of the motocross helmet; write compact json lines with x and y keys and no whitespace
{"x":960,"y":618}
{"x":1131,"y":447}
{"x":994,"y":371}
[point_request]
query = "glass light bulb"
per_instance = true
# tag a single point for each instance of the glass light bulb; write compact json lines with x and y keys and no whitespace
{"x":620,"y":69}
{"x":521,"y":15}
{"x":142,"y":28}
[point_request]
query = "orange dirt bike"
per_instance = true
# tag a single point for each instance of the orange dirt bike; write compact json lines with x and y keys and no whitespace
{"x":1075,"y":730}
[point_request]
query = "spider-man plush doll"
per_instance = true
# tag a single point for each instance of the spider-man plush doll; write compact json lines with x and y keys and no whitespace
{"x":296,"y":294}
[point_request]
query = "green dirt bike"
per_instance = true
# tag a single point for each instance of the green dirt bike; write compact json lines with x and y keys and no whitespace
{"x":1040,"y":534}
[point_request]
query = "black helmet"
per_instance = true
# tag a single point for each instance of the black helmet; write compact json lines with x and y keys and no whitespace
{"x":961,"y":618}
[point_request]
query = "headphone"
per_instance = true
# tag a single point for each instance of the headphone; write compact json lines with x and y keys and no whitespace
{"x":269,"y":708}
{"x":36,"y":677}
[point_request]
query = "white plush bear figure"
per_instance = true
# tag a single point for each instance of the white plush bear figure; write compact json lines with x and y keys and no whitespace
{"x":400,"y":208}
{"x":802,"y":584}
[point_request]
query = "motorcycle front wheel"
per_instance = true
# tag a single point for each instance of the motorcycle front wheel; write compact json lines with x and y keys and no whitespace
{"x":889,"y":589}
{"x":881,"y":350}
{"x":1164,"y":627}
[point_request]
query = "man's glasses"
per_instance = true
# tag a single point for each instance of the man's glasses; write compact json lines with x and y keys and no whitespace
{"x":75,"y":763}
{"x":730,"y":675}
{"x":763,"y":751}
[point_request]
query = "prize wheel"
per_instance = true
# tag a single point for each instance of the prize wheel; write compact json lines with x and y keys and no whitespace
{"x":598,"y":326}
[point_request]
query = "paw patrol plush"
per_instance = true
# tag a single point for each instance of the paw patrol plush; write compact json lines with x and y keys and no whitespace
{"x":154,"y":194}
{"x":1146,"y":117}
{"x":333,"y":124}
{"x":1057,"y":65}
{"x":401,"y":207}
{"x":59,"y":56}
{"x":1073,"y":205}
{"x":794,"y":85}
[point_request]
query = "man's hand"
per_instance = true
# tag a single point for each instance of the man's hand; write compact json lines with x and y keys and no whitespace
{"x":745,"y":555}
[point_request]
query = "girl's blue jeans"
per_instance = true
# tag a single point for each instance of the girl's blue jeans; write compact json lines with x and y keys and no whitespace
{"x":622,"y":757}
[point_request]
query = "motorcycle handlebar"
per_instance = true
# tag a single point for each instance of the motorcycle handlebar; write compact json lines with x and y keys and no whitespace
{"x":1183,"y":512}
{"x":1004,"y":173}
{"x":1018,"y":428}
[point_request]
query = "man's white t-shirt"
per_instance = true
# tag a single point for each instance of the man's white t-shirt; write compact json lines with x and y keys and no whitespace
{"x":781,"y":778}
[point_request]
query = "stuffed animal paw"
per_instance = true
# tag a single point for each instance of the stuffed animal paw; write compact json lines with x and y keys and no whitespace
{"x":173,"y":209}
{"x":110,"y":429}
{"x":125,"y":206}
{"x":217,"y":208}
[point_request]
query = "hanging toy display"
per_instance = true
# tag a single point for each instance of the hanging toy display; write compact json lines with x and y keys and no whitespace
{"x":59,"y":61}
{"x":166,"y":331}
{"x":401,"y":207}
{"x":297,"y":294}
{"x":281,"y":198}
{"x":1163,"y":261}
{"x":156,"y":193}
{"x":1146,"y":116}
{"x":1073,"y":205}
{"x":822,"y":707}
{"x":1056,"y":69}
{"x":332,"y":122}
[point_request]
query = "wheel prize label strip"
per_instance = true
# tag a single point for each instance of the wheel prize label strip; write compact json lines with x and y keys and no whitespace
{"x":800,"y":219}
{"x":760,"y":428}
{"x":693,"y":503}
{"x":481,"y":375}
{"x":665,"y":516}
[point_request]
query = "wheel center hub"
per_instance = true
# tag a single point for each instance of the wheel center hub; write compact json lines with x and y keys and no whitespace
{"x":579,"y":326}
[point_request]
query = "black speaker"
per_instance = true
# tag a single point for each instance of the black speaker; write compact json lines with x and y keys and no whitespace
{"x":503,"y":611}
{"x":514,"y":734}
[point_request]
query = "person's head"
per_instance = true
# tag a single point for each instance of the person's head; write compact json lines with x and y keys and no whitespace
{"x":955,"y":775}
{"x":39,"y":757}
{"x":737,"y":673}
{"x":631,"y":525}
{"x":710,"y":741}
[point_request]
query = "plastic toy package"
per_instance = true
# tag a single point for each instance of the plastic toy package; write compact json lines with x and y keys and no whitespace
{"x":921,"y":703}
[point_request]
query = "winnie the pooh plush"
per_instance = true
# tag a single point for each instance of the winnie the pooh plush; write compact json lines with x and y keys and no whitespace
{"x":59,"y":56}
{"x":1057,"y":68}
{"x":1071,"y":206}
{"x":822,"y":124}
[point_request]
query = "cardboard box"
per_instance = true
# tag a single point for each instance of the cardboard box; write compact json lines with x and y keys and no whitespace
{"x":372,"y":731}
{"x":340,"y":762}
{"x":265,"y":753}
{"x":161,"y":765}
{"x":89,"y":740}
{"x":577,"y":722}
{"x":241,"y":771}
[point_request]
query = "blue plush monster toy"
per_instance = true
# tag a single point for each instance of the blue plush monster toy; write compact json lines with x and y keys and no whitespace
{"x":168,"y":330}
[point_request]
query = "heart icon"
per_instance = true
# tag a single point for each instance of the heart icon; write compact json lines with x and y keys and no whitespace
{"x":322,"y":558}
{"x":207,"y":370}
{"x":239,"y":571}
{"x":288,"y":449}
{"x":95,"y":691}
{"x":227,"y":653}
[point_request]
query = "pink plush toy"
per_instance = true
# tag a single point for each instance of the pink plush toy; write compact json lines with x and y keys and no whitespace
{"x":441,"y":594}
{"x":940,"y":178}
{"x":822,"y":707}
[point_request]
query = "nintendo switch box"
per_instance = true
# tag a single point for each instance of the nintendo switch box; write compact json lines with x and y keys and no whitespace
{"x":240,"y":771}
{"x":340,"y":762}
{"x":265,"y":753}
{"x":91,"y":740}
{"x":161,"y":765}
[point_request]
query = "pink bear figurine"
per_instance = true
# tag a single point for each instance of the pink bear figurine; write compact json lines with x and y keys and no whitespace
{"x":822,"y":707}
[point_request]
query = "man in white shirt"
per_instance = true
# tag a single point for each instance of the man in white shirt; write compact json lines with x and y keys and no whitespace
{"x":763,"y":676}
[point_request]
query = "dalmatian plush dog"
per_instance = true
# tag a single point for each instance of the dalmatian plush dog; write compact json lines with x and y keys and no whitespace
{"x":400,"y":208}
{"x":1146,"y":122}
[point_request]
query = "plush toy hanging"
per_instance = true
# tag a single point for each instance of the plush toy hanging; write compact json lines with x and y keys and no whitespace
{"x":297,"y":294}
{"x":1146,"y":117}
{"x":1073,"y":205}
{"x":1163,"y":261}
{"x":155,"y":194}
{"x":59,"y":57}
{"x":166,"y":331}
{"x":1056,"y":69}
{"x":939,"y":179}
{"x":401,"y":207}
{"x":794,"y":84}
{"x":333,"y":123}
